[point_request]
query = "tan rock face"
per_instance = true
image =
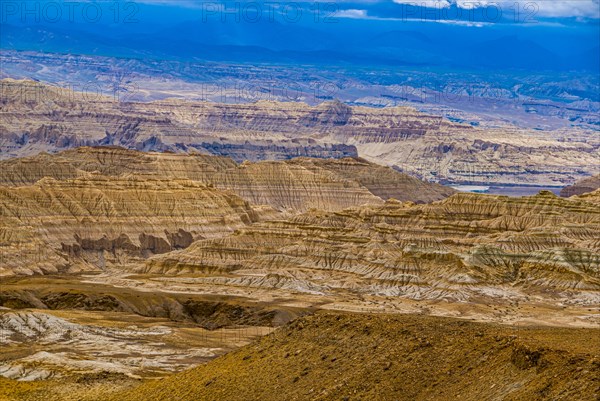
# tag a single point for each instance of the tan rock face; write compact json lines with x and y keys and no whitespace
{"x":87,"y":223}
{"x":381,"y":181}
{"x":89,"y":207}
{"x":293,"y":185}
{"x":40,"y":118}
{"x":465,"y":246}
{"x":110,"y":161}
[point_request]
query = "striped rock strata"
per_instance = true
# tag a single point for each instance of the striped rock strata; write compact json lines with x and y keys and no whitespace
{"x":465,"y":245}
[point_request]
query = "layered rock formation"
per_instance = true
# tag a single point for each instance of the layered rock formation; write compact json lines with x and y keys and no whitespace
{"x":43,"y":118}
{"x":111,"y":161}
{"x":95,"y":221}
{"x":582,"y":186}
{"x":297,"y":184}
{"x":89,"y":207}
{"x":39,"y":117}
{"x":467,"y":245}
{"x":301,"y":184}
{"x":381,"y":181}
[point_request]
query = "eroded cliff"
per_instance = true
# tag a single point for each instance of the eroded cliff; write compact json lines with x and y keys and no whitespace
{"x":466,"y":246}
{"x":89,"y":223}
{"x":38,"y":118}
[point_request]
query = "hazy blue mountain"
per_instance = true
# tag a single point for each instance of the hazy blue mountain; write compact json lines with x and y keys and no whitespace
{"x":184,"y":30}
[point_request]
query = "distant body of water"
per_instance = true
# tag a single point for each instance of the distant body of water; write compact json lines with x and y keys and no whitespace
{"x":505,"y":190}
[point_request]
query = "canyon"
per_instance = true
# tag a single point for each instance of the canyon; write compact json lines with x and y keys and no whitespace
{"x":191,"y":256}
{"x":39,"y":117}
{"x":145,"y":245}
{"x":206,"y":202}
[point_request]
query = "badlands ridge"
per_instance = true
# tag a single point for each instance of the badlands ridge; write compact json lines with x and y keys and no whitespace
{"x":39,"y":117}
{"x":120,"y":267}
{"x":335,"y":228}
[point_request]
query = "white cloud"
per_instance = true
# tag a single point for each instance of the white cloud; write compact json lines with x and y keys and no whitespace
{"x":425,"y":3}
{"x":352,"y":13}
{"x":539,"y":8}
{"x":532,"y":8}
{"x":590,"y":9}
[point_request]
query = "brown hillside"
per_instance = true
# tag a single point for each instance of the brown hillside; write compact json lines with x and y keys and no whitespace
{"x":359,"y":357}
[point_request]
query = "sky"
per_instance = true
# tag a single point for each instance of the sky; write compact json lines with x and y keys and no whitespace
{"x":563,"y":35}
{"x":450,"y":10}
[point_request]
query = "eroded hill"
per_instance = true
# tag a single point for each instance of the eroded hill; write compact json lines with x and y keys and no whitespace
{"x":297,"y":184}
{"x":585,"y":185}
{"x":461,"y":248}
{"x":344,"y":357}
{"x":87,"y":223}
{"x":87,"y":208}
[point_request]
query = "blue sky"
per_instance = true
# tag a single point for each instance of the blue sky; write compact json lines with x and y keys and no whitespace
{"x":487,"y":10}
{"x":563,"y":35}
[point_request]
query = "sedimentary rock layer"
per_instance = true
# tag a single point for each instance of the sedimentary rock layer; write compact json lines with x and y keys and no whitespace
{"x":113,"y":205}
{"x":37,"y":117}
{"x":297,"y":184}
{"x":465,"y":245}
{"x":90,"y":222}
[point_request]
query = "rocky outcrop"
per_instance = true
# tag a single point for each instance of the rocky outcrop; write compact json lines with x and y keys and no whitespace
{"x":458,"y":248}
{"x":98,"y":221}
{"x":582,"y":186}
{"x":43,"y":118}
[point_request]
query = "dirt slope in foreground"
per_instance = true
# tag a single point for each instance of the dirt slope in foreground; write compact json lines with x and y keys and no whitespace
{"x":333,"y":356}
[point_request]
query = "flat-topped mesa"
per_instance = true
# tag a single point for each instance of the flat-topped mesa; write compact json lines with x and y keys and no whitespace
{"x":292,"y":185}
{"x":98,"y":221}
{"x":465,"y":246}
{"x":426,"y":146}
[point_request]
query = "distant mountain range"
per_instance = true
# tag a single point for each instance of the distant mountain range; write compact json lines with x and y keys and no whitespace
{"x":267,"y":41}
